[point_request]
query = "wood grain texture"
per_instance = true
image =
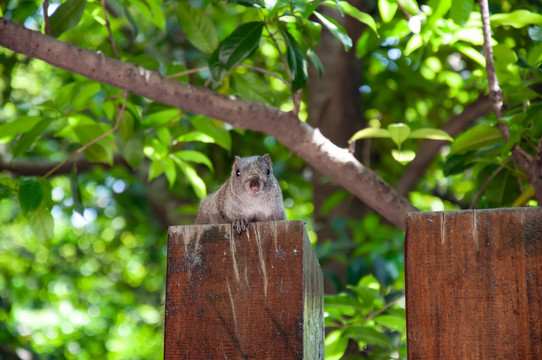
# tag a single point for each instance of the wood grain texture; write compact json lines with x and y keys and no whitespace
{"x":257,"y":295}
{"x":474,"y":284}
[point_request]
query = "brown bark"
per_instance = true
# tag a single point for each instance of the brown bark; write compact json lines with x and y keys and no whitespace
{"x":302,"y":139}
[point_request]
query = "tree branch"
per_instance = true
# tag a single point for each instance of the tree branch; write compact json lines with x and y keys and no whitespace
{"x":428,"y":148}
{"x":495,"y":93}
{"x":299,"y":137}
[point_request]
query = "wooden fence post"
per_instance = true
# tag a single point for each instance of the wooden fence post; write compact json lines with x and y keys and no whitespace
{"x":474,"y":284}
{"x":258,"y":295}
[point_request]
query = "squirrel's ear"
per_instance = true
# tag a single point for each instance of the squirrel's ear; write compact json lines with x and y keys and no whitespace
{"x":235,"y":165}
{"x":267,"y":159}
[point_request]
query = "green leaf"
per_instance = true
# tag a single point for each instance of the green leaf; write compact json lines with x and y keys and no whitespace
{"x":219,"y":135}
{"x":414,"y":43}
{"x":158,"y":17}
{"x":98,"y":152}
{"x":461,"y":10}
{"x":250,"y":86}
{"x":315,"y":61}
{"x":195,"y":181}
{"x":503,"y":53}
{"x":403,"y":156}
{"x":399,"y":133}
{"x":132,"y":152}
{"x":161,"y":118}
{"x":387,"y":9}
{"x":392,"y":322}
{"x":76,"y":192}
{"x":332,"y":201}
{"x":82,"y":98}
{"x":296,"y":62}
{"x":457,"y":163}
{"x":370,"y":133}
{"x":194,"y":156}
{"x":42,"y":224}
{"x":195,"y":136}
{"x":411,"y":6}
{"x":475,"y":138}
{"x":348,"y":9}
{"x":235,"y":48}
{"x":440,"y":8}
{"x":67,"y":16}
{"x":517,"y":19}
{"x":28,"y":138}
{"x":367,"y":336}
{"x":197,"y":27}
{"x":431,"y":134}
{"x":31,"y":192}
{"x":472,"y":53}
{"x":13,"y":128}
{"x":336,"y":345}
{"x":336,"y":29}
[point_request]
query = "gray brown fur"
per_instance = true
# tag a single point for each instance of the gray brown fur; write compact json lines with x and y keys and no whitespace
{"x":252,"y":193}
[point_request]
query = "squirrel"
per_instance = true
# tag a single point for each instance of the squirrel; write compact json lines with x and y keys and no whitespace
{"x":252,"y":193}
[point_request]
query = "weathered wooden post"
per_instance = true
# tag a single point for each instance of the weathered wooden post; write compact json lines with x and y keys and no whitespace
{"x":474,"y":284}
{"x":256,"y":295}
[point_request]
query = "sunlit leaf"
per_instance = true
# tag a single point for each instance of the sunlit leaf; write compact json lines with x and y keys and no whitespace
{"x":67,"y":16}
{"x":410,"y":5}
{"x":414,"y":43}
{"x":336,"y":345}
{"x":219,"y":135}
{"x":194,"y":156}
{"x":336,"y":29}
{"x":18,"y":126}
{"x":475,"y":138}
{"x":399,"y":132}
{"x":517,"y":19}
{"x":370,"y":133}
{"x":193,"y":178}
{"x":348,"y":9}
{"x":431,"y":134}
{"x":503,"y":53}
{"x":161,"y":117}
{"x":387,"y":9}
{"x":525,"y":196}
{"x":471,"y":53}
{"x":196,"y":136}
{"x":332,"y":201}
{"x":198,"y":28}
{"x":403,"y":156}
{"x":439,"y":8}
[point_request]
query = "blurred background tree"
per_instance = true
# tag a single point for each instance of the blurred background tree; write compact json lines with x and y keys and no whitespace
{"x":83,"y":248}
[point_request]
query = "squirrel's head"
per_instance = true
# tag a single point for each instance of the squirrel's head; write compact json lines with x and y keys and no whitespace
{"x":253,"y":175}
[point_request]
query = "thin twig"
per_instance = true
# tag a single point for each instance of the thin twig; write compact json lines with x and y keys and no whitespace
{"x":188,"y":72}
{"x":86,"y":146}
{"x":280,"y":53}
{"x":46,"y":17}
{"x":495,"y":93}
{"x":487,"y":182}
{"x":111,"y":39}
{"x":386,"y":307}
{"x":266,"y":72}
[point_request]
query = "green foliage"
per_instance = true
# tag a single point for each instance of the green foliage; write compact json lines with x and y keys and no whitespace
{"x":82,"y":256}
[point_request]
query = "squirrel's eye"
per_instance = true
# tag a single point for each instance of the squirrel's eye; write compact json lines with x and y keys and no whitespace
{"x":268,"y":171}
{"x":238,"y":173}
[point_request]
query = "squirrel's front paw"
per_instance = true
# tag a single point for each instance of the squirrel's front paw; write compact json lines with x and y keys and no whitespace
{"x":240,"y":225}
